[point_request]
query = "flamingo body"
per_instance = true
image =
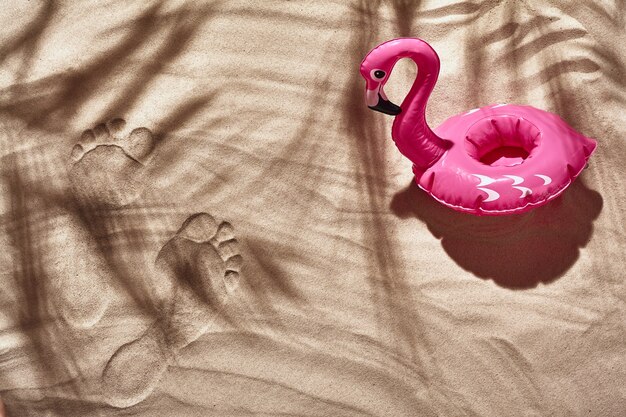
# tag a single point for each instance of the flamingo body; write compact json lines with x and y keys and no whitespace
{"x":512,"y":183}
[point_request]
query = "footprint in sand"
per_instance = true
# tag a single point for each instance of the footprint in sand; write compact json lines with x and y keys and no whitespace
{"x":107,"y":169}
{"x":108,"y":164}
{"x":195,"y":272}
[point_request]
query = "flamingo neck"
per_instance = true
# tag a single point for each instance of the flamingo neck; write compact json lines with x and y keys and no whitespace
{"x":411,"y":133}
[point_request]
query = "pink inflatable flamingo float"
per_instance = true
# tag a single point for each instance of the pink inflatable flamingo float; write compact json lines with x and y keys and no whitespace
{"x":495,"y":160}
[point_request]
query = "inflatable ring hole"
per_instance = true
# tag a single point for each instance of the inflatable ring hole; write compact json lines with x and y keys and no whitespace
{"x":502,"y":140}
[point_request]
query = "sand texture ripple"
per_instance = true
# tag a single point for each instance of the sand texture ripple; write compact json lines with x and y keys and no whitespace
{"x":199,"y":216}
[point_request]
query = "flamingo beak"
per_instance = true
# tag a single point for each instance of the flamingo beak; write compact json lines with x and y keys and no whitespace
{"x":377,"y":100}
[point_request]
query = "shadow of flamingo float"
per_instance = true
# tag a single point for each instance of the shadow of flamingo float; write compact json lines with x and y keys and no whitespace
{"x":495,"y":160}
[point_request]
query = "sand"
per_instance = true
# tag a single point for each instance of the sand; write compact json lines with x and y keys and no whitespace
{"x":200,"y":217}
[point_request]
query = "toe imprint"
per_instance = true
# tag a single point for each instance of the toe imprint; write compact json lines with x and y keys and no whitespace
{"x":228,"y":249}
{"x":225,"y":232}
{"x":101,"y":132}
{"x":88,"y":137}
{"x":116,"y":127}
{"x":77,"y":152}
{"x":140,"y":143}
{"x":200,"y":227}
{"x":234,"y":263}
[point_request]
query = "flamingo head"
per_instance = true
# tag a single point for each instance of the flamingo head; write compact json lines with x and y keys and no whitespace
{"x":376,"y":68}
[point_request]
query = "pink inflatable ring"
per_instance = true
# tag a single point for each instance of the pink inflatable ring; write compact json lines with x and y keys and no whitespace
{"x":495,"y":160}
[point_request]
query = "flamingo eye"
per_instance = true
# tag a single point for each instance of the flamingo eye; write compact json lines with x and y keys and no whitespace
{"x":378,"y":74}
